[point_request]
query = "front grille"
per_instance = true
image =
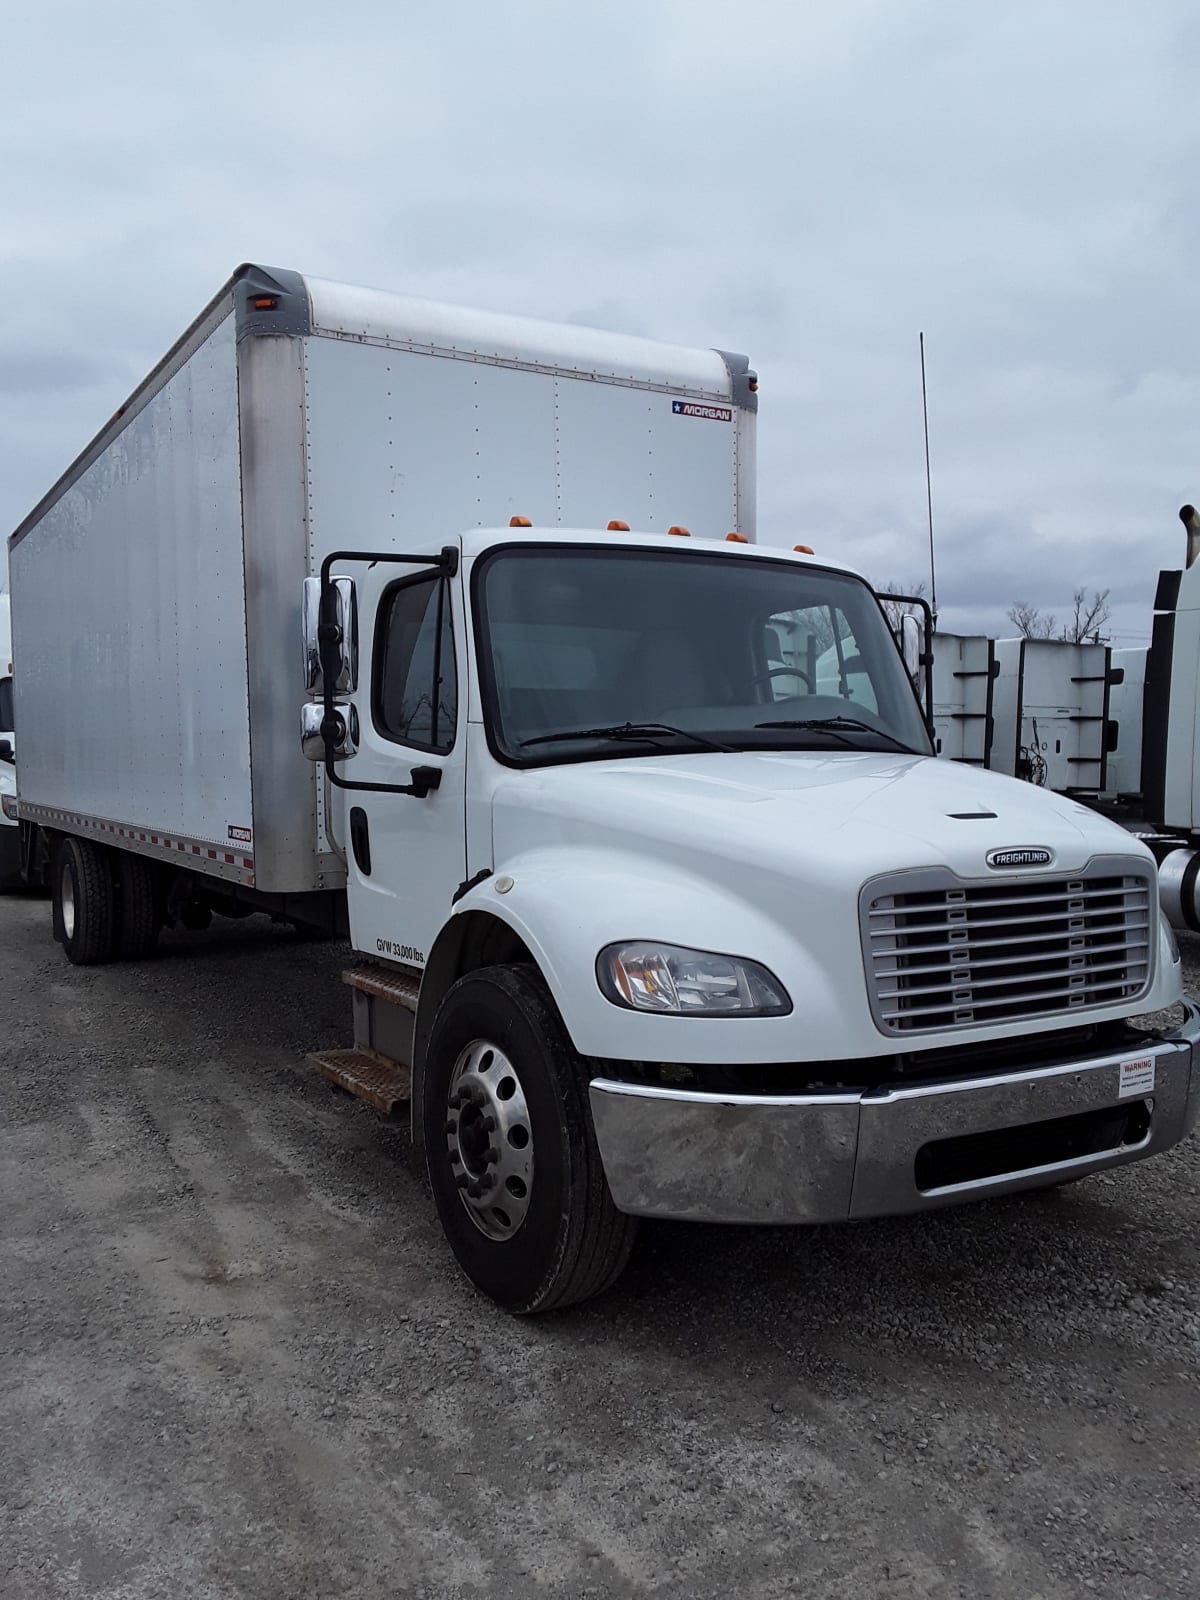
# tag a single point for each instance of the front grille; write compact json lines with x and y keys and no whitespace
{"x":945,"y":954}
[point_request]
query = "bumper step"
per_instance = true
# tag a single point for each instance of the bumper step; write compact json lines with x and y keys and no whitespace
{"x":385,"y":983}
{"x":366,"y":1075}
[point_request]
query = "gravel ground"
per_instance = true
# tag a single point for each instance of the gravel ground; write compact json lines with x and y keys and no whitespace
{"x":237,"y":1360}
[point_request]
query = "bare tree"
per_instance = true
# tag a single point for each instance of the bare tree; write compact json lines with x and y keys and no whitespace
{"x":1031,"y":623}
{"x":1088,"y":616}
{"x":893,"y":610}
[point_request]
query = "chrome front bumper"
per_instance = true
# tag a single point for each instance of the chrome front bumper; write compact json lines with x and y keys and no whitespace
{"x":827,"y":1158}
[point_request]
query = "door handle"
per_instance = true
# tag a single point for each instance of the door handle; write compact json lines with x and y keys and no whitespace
{"x":424,"y":781}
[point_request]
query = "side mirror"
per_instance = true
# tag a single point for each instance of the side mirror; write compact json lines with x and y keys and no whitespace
{"x":343,"y":730}
{"x":330,"y":635}
{"x":6,"y":752}
{"x":912,"y":646}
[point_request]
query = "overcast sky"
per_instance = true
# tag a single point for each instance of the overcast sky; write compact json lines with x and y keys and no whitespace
{"x":810,"y":182}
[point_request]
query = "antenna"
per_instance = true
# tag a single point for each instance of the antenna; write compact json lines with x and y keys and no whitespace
{"x":928,"y":488}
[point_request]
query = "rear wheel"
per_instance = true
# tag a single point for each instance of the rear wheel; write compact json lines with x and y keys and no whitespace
{"x":84,"y":919}
{"x":513,"y":1161}
{"x":137,"y":911}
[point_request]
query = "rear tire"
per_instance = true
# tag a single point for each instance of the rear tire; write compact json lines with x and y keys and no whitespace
{"x":137,"y":910}
{"x":562,"y":1240}
{"x":84,"y":918}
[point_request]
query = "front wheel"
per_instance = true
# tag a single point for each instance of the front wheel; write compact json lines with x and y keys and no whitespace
{"x":513,"y":1162}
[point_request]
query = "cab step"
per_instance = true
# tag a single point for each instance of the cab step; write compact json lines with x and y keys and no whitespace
{"x":385,"y":983}
{"x":369,"y":1076}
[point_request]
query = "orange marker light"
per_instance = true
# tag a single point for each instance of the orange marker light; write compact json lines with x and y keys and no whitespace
{"x":753,"y":386}
{"x":618,"y":527}
{"x":680,"y":533}
{"x":519,"y":522}
{"x":736,"y":538}
{"x":804,"y":549}
{"x":265,"y":302}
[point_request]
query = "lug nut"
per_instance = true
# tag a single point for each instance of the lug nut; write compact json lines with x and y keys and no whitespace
{"x":455,"y":1158}
{"x":451,"y":1126}
{"x":488,"y":1181}
{"x":489,"y":1124}
{"x":492,"y":1155}
{"x":462,"y":1180}
{"x":475,"y":1190}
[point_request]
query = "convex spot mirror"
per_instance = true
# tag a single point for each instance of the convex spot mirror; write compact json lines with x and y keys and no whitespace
{"x":330,"y":636}
{"x":342,"y":731}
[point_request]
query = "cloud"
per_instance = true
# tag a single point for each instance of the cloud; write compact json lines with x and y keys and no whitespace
{"x":810,"y":184}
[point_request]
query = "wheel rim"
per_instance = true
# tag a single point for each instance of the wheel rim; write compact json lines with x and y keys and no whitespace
{"x":67,"y":899}
{"x":489,"y":1140}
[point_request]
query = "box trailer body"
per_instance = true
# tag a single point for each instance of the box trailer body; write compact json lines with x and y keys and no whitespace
{"x":375,"y":420}
{"x":665,"y":906}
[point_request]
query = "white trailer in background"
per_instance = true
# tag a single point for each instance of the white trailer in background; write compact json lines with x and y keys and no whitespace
{"x":10,"y":836}
{"x":964,"y":679}
{"x":1125,"y":725}
{"x":1051,"y":711}
{"x":657,"y":914}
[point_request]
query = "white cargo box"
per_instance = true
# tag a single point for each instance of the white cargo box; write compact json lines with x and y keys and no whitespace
{"x":157,"y":588}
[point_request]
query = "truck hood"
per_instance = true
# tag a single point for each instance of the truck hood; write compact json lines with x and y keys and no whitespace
{"x":818,"y":812}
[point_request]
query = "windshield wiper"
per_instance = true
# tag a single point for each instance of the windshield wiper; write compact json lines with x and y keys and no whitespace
{"x":644,"y":732}
{"x":839,"y":727}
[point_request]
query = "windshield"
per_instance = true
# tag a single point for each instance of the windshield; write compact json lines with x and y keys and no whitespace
{"x":589,"y":652}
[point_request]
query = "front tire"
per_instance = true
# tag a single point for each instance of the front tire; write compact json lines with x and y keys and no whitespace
{"x":513,"y":1161}
{"x":84,"y":913}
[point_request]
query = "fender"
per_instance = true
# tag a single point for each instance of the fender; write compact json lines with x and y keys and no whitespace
{"x":565,"y":904}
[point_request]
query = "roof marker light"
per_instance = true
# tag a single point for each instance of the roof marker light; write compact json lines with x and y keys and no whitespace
{"x":804,"y":549}
{"x":618,"y":527}
{"x":266,"y":302}
{"x":680,"y":533}
{"x":736,"y":538}
{"x":519,"y":522}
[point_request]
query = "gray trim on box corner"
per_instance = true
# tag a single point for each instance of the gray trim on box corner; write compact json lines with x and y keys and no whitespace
{"x":291,"y":315}
{"x":741,"y":377}
{"x":271,"y":419}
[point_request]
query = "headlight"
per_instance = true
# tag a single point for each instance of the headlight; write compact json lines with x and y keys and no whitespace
{"x":1172,"y":941}
{"x":8,"y":804}
{"x":688,"y":983}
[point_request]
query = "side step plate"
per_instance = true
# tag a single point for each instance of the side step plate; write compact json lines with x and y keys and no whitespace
{"x":370,"y":1077}
{"x":385,"y":984}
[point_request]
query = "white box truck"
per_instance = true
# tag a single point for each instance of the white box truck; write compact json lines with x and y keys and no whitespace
{"x":10,"y":836}
{"x":655,"y":917}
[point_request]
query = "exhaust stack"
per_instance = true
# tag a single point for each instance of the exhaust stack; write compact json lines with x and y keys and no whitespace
{"x":1190,"y":518}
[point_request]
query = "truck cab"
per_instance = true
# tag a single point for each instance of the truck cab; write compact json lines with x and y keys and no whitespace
{"x":695,"y":915}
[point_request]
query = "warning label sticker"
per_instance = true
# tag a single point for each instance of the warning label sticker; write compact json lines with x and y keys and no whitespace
{"x":694,"y":408}
{"x":1137,"y":1077}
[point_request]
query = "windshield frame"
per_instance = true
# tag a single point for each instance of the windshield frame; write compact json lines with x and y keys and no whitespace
{"x":627,"y":749}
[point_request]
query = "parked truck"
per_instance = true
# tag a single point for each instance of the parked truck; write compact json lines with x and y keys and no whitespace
{"x":654,"y":916}
{"x":10,"y":833}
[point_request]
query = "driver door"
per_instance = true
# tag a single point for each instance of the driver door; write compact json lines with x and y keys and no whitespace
{"x":406,"y":854}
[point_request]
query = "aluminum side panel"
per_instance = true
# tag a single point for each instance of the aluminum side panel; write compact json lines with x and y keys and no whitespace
{"x":405,"y":448}
{"x":129,"y":620}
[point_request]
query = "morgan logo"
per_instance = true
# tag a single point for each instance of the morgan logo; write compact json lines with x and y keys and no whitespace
{"x":1030,"y":855}
{"x":689,"y":408}
{"x":240,"y":835}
